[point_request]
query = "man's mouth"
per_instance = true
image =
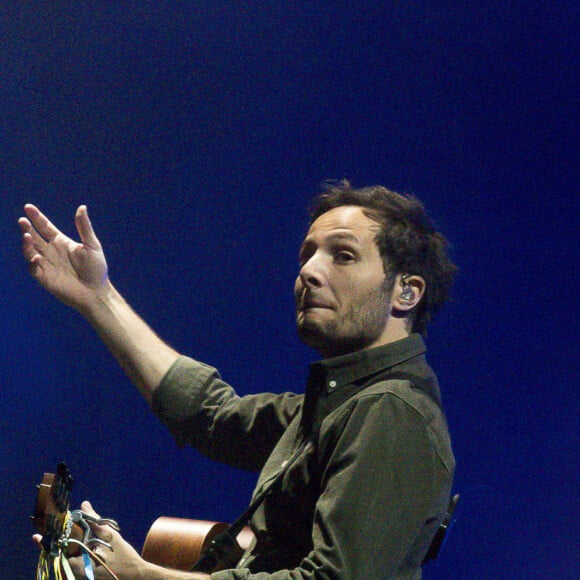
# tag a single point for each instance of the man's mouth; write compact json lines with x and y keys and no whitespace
{"x":307,"y":304}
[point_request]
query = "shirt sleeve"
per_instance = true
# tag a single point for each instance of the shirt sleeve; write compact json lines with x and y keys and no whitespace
{"x":384,"y":489}
{"x":201,"y":410}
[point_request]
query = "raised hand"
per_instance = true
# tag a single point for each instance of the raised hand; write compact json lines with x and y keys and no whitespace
{"x":75,"y":273}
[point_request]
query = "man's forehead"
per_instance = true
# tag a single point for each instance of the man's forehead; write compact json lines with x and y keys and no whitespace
{"x":347,"y":221}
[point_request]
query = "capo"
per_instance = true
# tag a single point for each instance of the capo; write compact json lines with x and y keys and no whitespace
{"x":83,"y":518}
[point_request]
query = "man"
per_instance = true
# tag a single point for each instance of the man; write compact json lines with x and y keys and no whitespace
{"x":361,"y":463}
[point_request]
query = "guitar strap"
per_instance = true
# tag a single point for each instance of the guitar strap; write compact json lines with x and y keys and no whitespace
{"x":439,"y":537}
{"x":222,"y":545}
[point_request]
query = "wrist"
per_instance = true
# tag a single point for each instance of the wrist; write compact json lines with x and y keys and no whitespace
{"x":100,"y":302}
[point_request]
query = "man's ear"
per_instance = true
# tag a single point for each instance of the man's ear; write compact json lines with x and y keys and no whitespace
{"x":407,"y":292}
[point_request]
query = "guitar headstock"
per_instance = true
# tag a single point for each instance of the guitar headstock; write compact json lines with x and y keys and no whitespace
{"x":52,"y":506}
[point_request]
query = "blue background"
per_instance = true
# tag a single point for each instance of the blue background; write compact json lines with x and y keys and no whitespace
{"x":197,"y":133}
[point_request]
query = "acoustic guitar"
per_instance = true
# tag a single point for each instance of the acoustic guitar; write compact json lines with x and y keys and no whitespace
{"x":171,"y":542}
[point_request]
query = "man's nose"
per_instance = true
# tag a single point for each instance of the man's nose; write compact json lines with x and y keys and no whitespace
{"x":312,"y":273}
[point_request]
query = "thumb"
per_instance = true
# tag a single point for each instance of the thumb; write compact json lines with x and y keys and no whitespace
{"x":85,"y":228}
{"x":88,"y":508}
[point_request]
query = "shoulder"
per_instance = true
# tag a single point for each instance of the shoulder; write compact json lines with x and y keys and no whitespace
{"x":394,"y":409}
{"x":402,"y":390}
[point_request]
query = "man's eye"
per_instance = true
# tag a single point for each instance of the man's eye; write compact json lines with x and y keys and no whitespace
{"x":344,"y":256}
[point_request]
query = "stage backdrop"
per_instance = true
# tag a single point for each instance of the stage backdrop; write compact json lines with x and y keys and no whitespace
{"x":197,"y":133}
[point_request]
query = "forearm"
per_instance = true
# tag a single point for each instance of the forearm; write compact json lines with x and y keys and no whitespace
{"x":140,"y":352}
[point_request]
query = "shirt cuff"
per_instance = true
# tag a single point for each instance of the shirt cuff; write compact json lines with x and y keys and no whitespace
{"x":178,"y":397}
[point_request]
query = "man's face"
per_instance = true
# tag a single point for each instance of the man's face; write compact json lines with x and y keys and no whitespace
{"x":342,"y":293}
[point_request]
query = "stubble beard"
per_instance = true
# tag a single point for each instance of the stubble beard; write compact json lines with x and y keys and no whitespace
{"x":350,"y":331}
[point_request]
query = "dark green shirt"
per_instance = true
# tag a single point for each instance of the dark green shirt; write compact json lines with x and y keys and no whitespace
{"x":364,"y":501}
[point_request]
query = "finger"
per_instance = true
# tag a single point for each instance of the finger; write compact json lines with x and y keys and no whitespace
{"x":37,"y":539}
{"x":40,"y":222}
{"x":85,"y":228}
{"x":88,"y":508}
{"x":32,"y":243}
{"x":77,"y":566}
{"x":28,"y":248}
{"x":25,"y":225}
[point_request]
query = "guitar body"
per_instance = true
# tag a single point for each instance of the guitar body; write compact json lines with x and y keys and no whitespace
{"x":178,"y":543}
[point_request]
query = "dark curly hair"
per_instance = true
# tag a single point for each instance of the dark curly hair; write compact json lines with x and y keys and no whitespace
{"x":407,"y":240}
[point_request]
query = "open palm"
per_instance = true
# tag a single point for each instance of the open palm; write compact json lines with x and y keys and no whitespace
{"x":74,"y":272}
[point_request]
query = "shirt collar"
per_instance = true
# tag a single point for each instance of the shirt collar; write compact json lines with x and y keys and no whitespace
{"x":338,"y":371}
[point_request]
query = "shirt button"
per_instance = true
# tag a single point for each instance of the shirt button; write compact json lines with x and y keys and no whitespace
{"x":332,"y":384}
